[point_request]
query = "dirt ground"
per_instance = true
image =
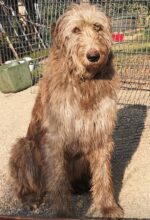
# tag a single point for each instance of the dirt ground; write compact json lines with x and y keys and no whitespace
{"x":131,"y":159}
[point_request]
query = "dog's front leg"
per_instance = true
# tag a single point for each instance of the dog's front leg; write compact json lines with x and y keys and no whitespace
{"x":58,"y":186}
{"x":103,"y":203}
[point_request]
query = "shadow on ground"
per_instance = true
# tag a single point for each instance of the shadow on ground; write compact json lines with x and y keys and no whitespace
{"x":127,"y":135}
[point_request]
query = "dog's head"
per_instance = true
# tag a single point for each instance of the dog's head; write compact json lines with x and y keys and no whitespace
{"x":83,"y":35}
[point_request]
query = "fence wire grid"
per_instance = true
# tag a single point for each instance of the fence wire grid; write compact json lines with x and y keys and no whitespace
{"x":25,"y":31}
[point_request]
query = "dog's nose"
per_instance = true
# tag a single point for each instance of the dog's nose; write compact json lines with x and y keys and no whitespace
{"x":93,"y":55}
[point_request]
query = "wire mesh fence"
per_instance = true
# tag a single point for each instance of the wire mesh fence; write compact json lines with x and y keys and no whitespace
{"x":25,"y":31}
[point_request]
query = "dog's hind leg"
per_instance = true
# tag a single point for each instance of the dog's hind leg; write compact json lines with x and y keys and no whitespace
{"x":26,"y":161}
{"x":25,"y":170}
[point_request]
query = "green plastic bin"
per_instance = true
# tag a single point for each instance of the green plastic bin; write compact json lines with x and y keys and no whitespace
{"x":14,"y":77}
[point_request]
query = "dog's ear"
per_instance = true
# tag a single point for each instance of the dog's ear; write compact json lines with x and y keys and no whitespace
{"x":55,"y":27}
{"x":55,"y":31}
{"x":110,"y":58}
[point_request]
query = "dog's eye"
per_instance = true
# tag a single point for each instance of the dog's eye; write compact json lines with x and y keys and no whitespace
{"x":76,"y":30}
{"x":97,"y":27}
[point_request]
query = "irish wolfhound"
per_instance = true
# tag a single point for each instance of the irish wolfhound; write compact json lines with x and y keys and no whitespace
{"x":70,"y":133}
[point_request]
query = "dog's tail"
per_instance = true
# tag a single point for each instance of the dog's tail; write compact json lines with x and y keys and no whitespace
{"x":25,"y":169}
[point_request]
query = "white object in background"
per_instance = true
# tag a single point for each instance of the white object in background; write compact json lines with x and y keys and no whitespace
{"x":27,"y":59}
{"x":30,"y":63}
{"x":12,"y":62}
{"x":31,"y":66}
{"x":21,"y":61}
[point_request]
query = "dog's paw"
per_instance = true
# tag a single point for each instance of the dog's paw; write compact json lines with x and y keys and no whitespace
{"x":62,"y":214}
{"x":30,"y":206}
{"x":93,"y":213}
{"x":112,"y":212}
{"x":108,"y":212}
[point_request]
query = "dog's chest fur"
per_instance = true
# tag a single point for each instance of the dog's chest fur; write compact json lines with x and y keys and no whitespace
{"x":76,"y":122}
{"x":84,"y":124}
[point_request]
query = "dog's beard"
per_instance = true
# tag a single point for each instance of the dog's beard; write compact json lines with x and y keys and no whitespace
{"x":83,"y":68}
{"x":90,"y":70}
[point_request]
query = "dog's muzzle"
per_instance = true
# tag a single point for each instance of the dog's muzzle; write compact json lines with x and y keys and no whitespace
{"x":93,"y":55}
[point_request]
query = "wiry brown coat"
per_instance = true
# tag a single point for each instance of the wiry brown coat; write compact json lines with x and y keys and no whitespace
{"x":70,"y":133}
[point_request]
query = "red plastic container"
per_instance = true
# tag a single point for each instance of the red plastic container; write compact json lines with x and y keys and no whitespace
{"x":118,"y":37}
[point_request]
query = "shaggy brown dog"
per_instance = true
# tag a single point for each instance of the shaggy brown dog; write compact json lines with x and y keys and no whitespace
{"x":70,"y":133}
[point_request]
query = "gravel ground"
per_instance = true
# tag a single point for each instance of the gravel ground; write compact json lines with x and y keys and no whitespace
{"x":131,"y":166}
